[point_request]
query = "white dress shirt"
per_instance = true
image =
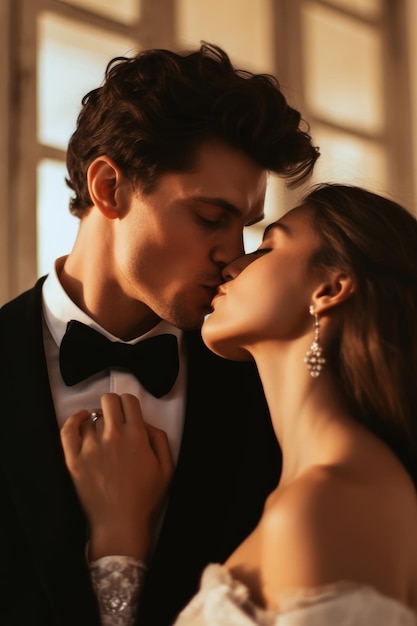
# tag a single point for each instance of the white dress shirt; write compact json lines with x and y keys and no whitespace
{"x":166,"y":413}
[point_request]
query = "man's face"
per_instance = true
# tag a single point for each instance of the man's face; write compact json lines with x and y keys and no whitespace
{"x":171,"y":245}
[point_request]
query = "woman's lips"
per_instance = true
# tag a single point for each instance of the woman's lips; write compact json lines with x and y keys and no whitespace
{"x":220,"y":292}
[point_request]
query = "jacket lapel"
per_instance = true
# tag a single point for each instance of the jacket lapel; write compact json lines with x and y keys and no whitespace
{"x":34,"y":468}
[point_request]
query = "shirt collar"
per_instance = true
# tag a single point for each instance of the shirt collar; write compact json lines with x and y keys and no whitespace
{"x":59,"y":309}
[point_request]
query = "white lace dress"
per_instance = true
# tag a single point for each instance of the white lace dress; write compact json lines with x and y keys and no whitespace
{"x":222,"y":601}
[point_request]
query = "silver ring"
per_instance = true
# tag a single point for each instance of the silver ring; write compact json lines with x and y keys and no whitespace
{"x":95,"y":415}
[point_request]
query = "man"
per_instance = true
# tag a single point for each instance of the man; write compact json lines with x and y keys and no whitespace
{"x":168,"y":164}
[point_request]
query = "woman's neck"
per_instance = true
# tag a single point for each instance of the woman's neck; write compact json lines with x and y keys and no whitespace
{"x":309,"y":414}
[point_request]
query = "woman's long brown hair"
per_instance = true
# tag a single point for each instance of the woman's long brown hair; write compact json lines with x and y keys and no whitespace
{"x":374,"y":240}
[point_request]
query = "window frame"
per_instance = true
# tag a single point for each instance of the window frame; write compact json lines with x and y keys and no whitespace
{"x":21,"y":152}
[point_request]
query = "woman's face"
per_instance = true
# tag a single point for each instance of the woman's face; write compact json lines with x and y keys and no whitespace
{"x":268,"y":292}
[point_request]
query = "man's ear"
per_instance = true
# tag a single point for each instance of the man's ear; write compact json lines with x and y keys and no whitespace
{"x":104,"y":178}
{"x":336,"y":288}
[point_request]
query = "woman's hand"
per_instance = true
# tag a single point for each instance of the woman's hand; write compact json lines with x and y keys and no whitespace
{"x":121,"y":468}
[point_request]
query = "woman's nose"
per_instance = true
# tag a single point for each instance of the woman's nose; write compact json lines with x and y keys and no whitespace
{"x":233,"y":269}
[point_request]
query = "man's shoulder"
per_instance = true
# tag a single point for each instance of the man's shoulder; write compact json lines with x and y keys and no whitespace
{"x":21,"y":318}
{"x":29,"y":297}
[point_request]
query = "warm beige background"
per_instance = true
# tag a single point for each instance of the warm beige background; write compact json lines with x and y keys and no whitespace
{"x":348,"y":65}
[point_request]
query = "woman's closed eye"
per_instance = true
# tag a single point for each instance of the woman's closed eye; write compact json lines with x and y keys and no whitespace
{"x":258,"y":253}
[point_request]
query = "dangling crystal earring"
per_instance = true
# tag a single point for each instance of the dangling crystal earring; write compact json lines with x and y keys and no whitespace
{"x":313,"y":358}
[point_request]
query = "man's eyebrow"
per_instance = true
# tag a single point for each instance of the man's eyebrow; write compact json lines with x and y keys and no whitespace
{"x":226,"y":206}
{"x":219,"y":202}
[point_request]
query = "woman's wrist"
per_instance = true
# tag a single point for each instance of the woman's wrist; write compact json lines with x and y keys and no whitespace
{"x":126,"y":541}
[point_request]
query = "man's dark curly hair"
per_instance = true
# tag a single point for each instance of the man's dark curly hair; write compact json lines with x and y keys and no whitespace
{"x":156,"y":109}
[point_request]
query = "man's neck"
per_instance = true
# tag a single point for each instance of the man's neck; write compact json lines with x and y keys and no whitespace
{"x":122,"y":317}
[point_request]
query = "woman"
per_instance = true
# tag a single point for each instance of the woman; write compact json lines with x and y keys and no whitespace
{"x":327,"y":308}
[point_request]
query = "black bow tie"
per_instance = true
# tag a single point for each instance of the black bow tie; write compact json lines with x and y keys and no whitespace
{"x":84,"y":352}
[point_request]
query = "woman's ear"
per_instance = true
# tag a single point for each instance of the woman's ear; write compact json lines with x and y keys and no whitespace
{"x":103,"y":179}
{"x":335,"y":289}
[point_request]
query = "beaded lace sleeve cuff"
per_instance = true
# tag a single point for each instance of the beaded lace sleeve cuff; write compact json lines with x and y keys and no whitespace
{"x":117,"y":582}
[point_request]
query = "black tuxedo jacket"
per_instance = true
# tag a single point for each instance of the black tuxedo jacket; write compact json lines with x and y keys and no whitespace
{"x":229,"y":461}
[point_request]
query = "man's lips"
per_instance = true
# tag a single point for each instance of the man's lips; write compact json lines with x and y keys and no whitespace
{"x":211,"y":289}
{"x":210,"y":292}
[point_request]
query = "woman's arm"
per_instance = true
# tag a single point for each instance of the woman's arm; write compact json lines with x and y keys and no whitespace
{"x":121,"y":468}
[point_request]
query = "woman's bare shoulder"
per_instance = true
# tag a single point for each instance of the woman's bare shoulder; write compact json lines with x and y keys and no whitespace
{"x":331,"y":525}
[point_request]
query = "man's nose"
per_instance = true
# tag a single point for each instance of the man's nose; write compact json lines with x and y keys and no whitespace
{"x":228,"y":250}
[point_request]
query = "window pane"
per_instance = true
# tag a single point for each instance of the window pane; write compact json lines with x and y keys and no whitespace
{"x":348,"y":159}
{"x":343,"y":69}
{"x":56,"y":227}
{"x":72,"y":58}
{"x":241,"y":27}
{"x":124,"y":11}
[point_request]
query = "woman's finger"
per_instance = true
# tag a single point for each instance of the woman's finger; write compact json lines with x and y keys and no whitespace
{"x":160,"y":445}
{"x":113,"y":418}
{"x":71,"y":434}
{"x":132,"y":412}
